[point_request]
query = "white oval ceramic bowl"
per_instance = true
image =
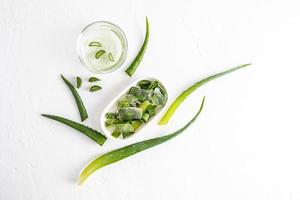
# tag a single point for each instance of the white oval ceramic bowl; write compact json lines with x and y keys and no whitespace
{"x":112,"y":107}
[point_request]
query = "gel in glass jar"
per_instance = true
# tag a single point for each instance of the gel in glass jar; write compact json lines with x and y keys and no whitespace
{"x":102,"y":47}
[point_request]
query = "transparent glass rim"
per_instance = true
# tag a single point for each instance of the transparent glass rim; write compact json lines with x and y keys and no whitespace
{"x":122,"y":36}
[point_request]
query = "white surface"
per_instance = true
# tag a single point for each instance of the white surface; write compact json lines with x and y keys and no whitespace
{"x":245,"y":145}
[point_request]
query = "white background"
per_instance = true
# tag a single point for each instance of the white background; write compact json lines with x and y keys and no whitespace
{"x":245,"y":144}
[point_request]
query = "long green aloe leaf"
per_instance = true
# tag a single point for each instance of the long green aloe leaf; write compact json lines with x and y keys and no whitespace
{"x":91,"y":133}
{"x":132,"y":149}
{"x":169,"y":113}
{"x":80,"y":105}
{"x":135,"y":63}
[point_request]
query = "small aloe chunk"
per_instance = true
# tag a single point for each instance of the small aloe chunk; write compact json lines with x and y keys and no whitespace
{"x":151,"y":110}
{"x":124,"y":105}
{"x":128,"y":98}
{"x":140,"y":94}
{"x":124,"y":129}
{"x":110,"y":115}
{"x":136,"y":124}
{"x":116,"y":134}
{"x":111,"y":122}
{"x":130,"y":113}
{"x":144,"y":84}
{"x":144,"y":105}
{"x":158,"y":99}
{"x":145,"y":117}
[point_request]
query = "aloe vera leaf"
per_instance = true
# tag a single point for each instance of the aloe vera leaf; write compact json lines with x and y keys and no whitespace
{"x":119,"y":154}
{"x":98,"y":137}
{"x":79,"y":102}
{"x":135,"y":63}
{"x":169,"y":113}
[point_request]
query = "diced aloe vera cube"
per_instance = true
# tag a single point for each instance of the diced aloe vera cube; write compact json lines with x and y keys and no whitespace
{"x":116,"y":134}
{"x":125,"y":135}
{"x":145,"y":117}
{"x":124,"y":129}
{"x":158,"y":99}
{"x":130,"y":113}
{"x":144,"y":84}
{"x":153,"y":85}
{"x":128,"y":99}
{"x":110,"y":122}
{"x":144,"y":105}
{"x":151,"y":110}
{"x":136,"y":124}
{"x":124,"y":105}
{"x":140,"y":94}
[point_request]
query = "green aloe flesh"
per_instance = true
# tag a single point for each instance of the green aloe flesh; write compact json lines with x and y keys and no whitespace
{"x":110,"y":115}
{"x":145,"y":117}
{"x":91,"y":133}
{"x":82,"y":111}
{"x":110,"y":57}
{"x":95,"y":44}
{"x":144,"y":106}
{"x":95,"y":88}
{"x":136,"y":107}
{"x":78,"y":82}
{"x":119,"y":154}
{"x":144,"y":84}
{"x":130,"y":113}
{"x":140,"y":94}
{"x":169,"y":113}
{"x":135,"y":63}
{"x":136,"y":124}
{"x":93,"y":79}
{"x":99,"y":54}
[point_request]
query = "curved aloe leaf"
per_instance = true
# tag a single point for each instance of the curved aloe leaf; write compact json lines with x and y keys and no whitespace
{"x":135,"y":63}
{"x":167,"y":116}
{"x":132,"y":149}
{"x":91,"y":133}
{"x":80,"y":105}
